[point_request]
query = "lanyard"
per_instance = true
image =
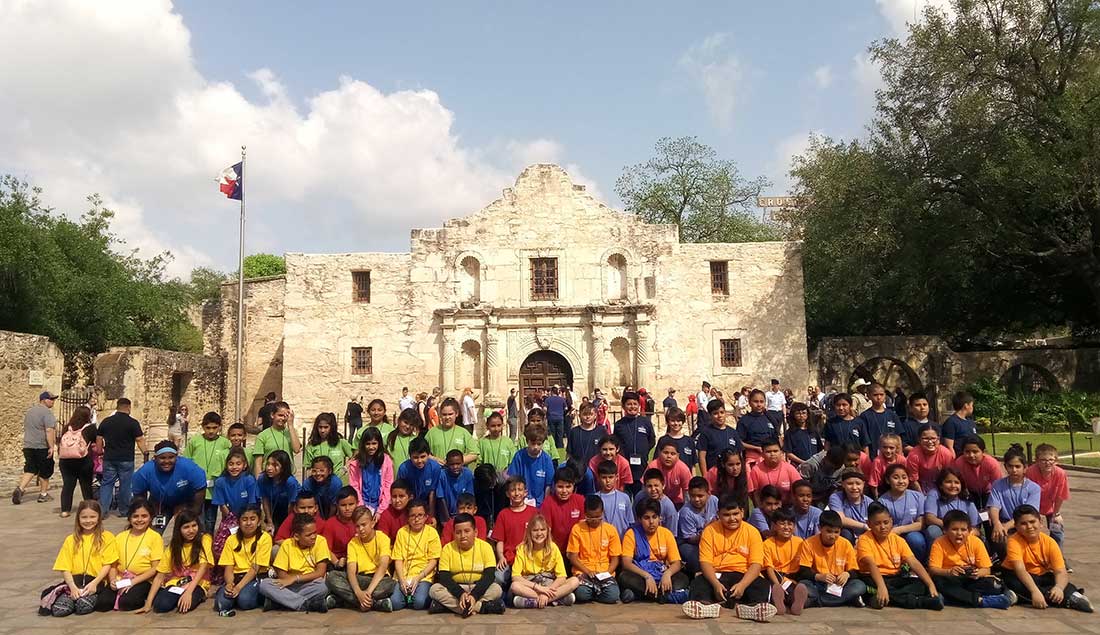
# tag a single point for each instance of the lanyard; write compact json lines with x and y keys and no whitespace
{"x":133,"y":554}
{"x":85,"y":556}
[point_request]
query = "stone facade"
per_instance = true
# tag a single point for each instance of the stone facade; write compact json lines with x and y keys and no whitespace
{"x":29,"y":364}
{"x":633,"y":306}
{"x":263,"y":349}
{"x":154,"y":380}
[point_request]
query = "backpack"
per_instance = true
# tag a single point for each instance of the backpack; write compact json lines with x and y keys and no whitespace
{"x":73,"y":444}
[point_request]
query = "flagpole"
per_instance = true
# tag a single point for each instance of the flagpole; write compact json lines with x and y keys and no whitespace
{"x":240,"y":301}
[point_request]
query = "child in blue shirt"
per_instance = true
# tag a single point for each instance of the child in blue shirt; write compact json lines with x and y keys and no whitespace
{"x":851,"y":504}
{"x":950,"y":493}
{"x":800,"y":442}
{"x":699,"y":510}
{"x":653,"y":488}
{"x":236,"y":488}
{"x":906,"y":507}
{"x":278,"y":489}
{"x":807,"y":518}
{"x":685,"y":444}
{"x":324,"y":484}
{"x":768,"y":499}
{"x":422,"y":473}
{"x":534,"y":464}
{"x":455,"y":480}
{"x":618,"y":509}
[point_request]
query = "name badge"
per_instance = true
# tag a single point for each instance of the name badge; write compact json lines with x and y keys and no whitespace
{"x":834,"y":589}
{"x":786,"y":584}
{"x":178,"y":590}
{"x":813,"y":441}
{"x":574,"y":513}
{"x":123,"y":583}
{"x":603,"y":575}
{"x":641,"y":429}
{"x":984,"y":516}
{"x":687,"y":451}
{"x":855,"y":433}
{"x":232,"y":531}
{"x":635,"y":460}
{"x":209,"y":483}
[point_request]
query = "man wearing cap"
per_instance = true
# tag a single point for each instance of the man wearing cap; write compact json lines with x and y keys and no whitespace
{"x":670,"y":401}
{"x":39,"y":441}
{"x":117,"y":436}
{"x":776,"y":404}
{"x":170,"y":483}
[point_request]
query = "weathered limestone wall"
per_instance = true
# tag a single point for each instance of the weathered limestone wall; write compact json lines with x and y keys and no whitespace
{"x":29,"y":364}
{"x":457,"y":309}
{"x":263,"y":344}
{"x":154,"y":380}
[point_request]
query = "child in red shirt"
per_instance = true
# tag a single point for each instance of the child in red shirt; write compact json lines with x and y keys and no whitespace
{"x":306,"y":504}
{"x":466,"y":503}
{"x":565,"y":508}
{"x":889,"y":453}
{"x":396,"y":515}
{"x":609,"y":451}
{"x":509,"y":528}
{"x":339,"y":528}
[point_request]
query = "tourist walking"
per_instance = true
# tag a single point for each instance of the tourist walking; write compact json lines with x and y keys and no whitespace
{"x":39,"y":439}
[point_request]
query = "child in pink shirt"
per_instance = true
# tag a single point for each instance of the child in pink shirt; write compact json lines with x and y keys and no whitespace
{"x":889,"y":453}
{"x":1054,"y":488}
{"x":773,"y":470}
{"x":676,"y":473}
{"x":978,"y":470}
{"x":927,"y":459}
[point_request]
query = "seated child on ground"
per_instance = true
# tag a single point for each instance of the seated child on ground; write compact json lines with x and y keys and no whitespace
{"x":300,"y":567}
{"x":961,"y":568}
{"x":1035,"y":569}
{"x":246,"y":557}
{"x":781,"y":564}
{"x":651,"y":560}
{"x":538,"y":573}
{"x":84,"y":561}
{"x":366,"y":584}
{"x":183,"y":575}
{"x":464,"y":583}
{"x":594,"y":551}
{"x":828,"y":566}
{"x":415,"y":557}
{"x":885,"y":561}
{"x":140,"y":550}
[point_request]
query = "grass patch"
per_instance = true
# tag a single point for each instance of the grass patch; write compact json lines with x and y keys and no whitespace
{"x":1084,"y":442}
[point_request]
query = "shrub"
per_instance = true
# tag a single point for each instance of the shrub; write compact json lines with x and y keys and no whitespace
{"x":1061,"y":411}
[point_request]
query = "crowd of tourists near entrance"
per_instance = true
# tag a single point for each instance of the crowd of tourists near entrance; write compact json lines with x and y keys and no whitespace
{"x":763,"y":506}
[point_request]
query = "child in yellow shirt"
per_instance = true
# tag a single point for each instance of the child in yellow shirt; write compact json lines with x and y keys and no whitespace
{"x":1034,"y":567}
{"x":140,"y":550}
{"x":731,"y":557}
{"x":415,"y":557}
{"x":538,"y":572}
{"x":183,"y":575}
{"x":300,"y":567}
{"x":781,"y":564}
{"x":84,"y":560}
{"x":246,"y":557}
{"x":651,"y":560}
{"x":366,"y":585}
{"x":465,"y":583}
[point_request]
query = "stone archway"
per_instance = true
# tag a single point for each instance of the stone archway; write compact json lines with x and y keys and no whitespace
{"x":891,"y":372}
{"x":543,"y":369}
{"x":1029,"y":378}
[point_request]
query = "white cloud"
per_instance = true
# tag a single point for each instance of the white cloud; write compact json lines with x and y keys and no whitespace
{"x":549,"y":151}
{"x":718,"y":73}
{"x":899,"y":13}
{"x":105,"y":97}
{"x":867,"y":76}
{"x":785,"y":150}
{"x":823,"y":76}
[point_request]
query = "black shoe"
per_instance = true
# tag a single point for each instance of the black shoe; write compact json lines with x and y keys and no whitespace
{"x":492,"y":607}
{"x":319,"y":604}
{"x":17,"y":496}
{"x":932,"y":604}
{"x":436,"y":608}
{"x":268,"y":605}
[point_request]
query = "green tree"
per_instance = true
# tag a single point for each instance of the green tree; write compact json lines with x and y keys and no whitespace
{"x":74,"y":282}
{"x":206,"y":283}
{"x":263,"y":265}
{"x":974,"y":204}
{"x":687,"y":185}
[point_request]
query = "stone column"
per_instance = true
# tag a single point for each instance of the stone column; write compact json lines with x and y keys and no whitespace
{"x":492,"y":368}
{"x":448,"y":361}
{"x":600,"y":354}
{"x":642,"y":372}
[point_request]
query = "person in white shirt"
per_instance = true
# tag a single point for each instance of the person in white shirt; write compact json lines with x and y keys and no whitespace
{"x":407,"y":401}
{"x":703,"y":396}
{"x":776,"y":404}
{"x":469,"y":410}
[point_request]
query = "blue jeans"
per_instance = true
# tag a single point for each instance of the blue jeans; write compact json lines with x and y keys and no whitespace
{"x":817,"y":596}
{"x":123,"y":472}
{"x":210,"y":517}
{"x":420,"y":597}
{"x":931,"y":532}
{"x":919,"y":544}
{"x":557,"y":429}
{"x":604,"y":594}
{"x":689,"y":553}
{"x":247,"y":598}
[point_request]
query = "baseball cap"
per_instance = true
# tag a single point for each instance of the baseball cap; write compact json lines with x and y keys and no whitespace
{"x":46,"y":395}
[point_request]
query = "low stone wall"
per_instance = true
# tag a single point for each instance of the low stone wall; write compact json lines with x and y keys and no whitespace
{"x":29,"y":364}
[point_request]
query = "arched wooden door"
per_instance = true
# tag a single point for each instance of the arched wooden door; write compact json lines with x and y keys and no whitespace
{"x":543,"y":369}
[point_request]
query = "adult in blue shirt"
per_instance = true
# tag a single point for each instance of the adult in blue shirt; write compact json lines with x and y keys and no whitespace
{"x":170,"y":483}
{"x":555,"y":415}
{"x":878,"y":419}
{"x":959,"y":425}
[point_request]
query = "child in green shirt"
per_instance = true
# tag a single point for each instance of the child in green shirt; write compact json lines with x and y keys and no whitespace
{"x":208,"y":451}
{"x":495,"y":448}
{"x":326,"y":440}
{"x":377,"y":417}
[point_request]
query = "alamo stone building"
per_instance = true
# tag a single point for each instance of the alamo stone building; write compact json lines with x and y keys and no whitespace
{"x":545,"y":285}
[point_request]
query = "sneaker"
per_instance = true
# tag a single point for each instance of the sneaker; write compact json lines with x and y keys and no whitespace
{"x":384,"y":605}
{"x":1011,"y":596}
{"x":329,"y":602}
{"x":798,"y":599}
{"x":994,"y":602}
{"x":492,"y":607}
{"x":16,"y":496}
{"x":876,"y":602}
{"x":44,"y":498}
{"x":627,"y":596}
{"x":932,"y":604}
{"x":268,"y":605}
{"x":699,"y":611}
{"x":229,"y":613}
{"x":436,"y":608}
{"x":1078,"y":602}
{"x":568,"y":600}
{"x":319,"y":604}
{"x":678,"y":596}
{"x":779,"y":599}
{"x":762,"y":612}
{"x":521,"y":602}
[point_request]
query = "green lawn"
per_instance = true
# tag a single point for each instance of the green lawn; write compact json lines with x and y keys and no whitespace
{"x":1084,"y":442}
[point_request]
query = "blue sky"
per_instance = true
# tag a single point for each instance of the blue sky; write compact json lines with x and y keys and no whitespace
{"x":366,"y":120}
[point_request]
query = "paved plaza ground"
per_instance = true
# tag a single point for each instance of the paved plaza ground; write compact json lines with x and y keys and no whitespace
{"x":32,"y":533}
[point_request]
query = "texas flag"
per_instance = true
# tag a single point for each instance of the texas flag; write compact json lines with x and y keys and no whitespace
{"x":231,"y":181}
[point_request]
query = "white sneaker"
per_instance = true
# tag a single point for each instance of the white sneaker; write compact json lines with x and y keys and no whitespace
{"x":762,"y":612}
{"x":699,"y":611}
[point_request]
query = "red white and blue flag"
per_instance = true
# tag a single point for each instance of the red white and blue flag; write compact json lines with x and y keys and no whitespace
{"x":231,"y":181}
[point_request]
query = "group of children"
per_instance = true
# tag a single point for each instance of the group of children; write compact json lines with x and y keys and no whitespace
{"x":398,"y":519}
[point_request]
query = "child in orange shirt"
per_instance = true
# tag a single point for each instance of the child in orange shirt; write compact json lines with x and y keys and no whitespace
{"x":731,"y":556}
{"x":781,"y":563}
{"x":961,"y":568}
{"x":1034,"y":567}
{"x":594,"y":551}
{"x":885,"y":560}
{"x":828,"y":566}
